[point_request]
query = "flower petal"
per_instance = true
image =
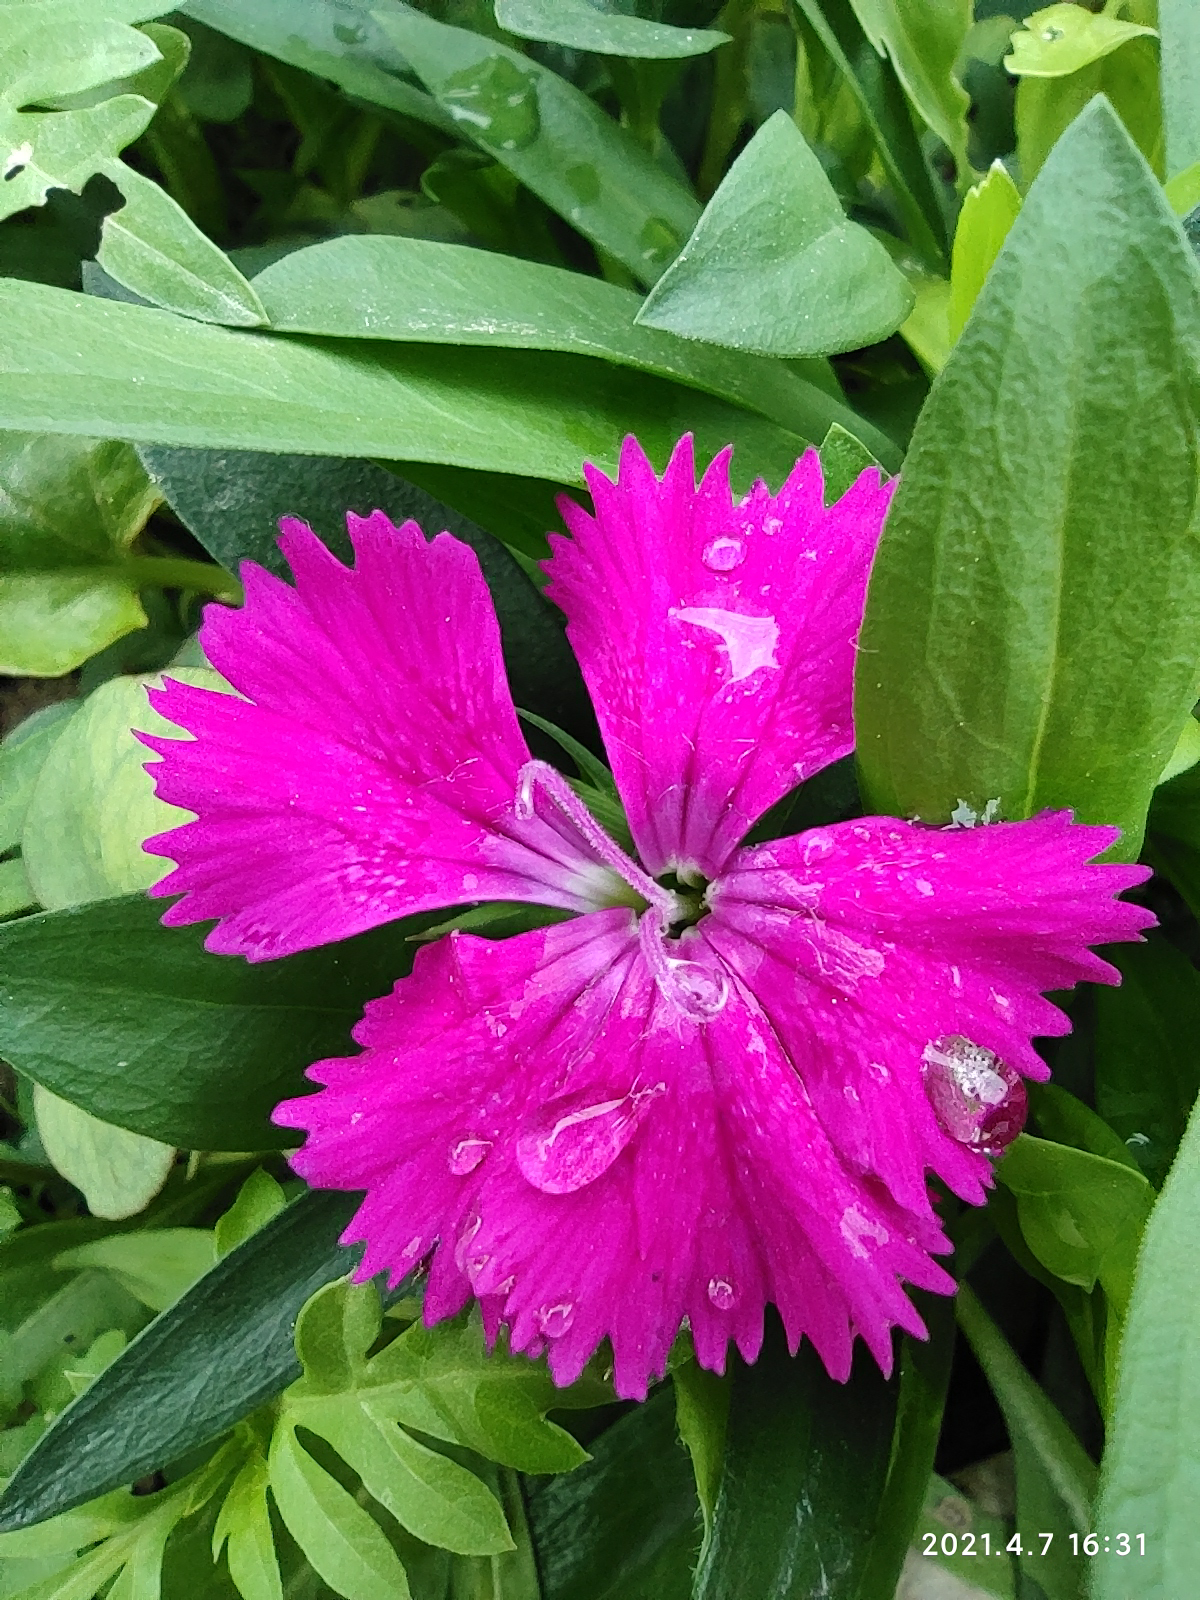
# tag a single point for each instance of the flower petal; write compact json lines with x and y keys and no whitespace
{"x":372,"y":766}
{"x":717,"y":640}
{"x":869,"y":942}
{"x":593,"y":1164}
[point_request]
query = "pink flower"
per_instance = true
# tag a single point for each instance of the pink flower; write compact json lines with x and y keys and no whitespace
{"x":695,"y":1096}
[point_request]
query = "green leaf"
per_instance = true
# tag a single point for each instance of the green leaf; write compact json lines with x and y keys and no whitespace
{"x":16,"y":892}
{"x":443,"y":1382}
{"x":343,"y":44}
{"x":1064,"y":1119}
{"x":333,"y":1334}
{"x":579,"y":25}
{"x":805,"y":1467}
{"x":1046,"y":107}
{"x":1179,"y":25}
{"x":233,"y":501}
{"x":774,"y":265}
{"x":89,"y":1304}
{"x":94,"y":805}
{"x":244,"y":1527}
{"x":1056,"y":1479}
{"x":1151,"y":1460}
{"x":53,"y":51}
{"x":986,"y":218}
{"x":1036,"y":505}
{"x":557,"y":141}
{"x":118,"y":1172}
{"x":156,"y":1265}
{"x":623,"y":1526}
{"x":924,"y":43}
{"x":1174,"y":828}
{"x":702,"y":1416}
{"x":945,"y":1509}
{"x":69,"y":511}
{"x":344,"y":1545}
{"x":844,"y":459}
{"x":876,"y":90}
{"x":1082,"y":1215}
{"x":21,"y":756}
{"x":1186,"y":752}
{"x":420,"y":291}
{"x":258,"y":1200}
{"x":226,"y":1345}
{"x":1061,"y":39}
{"x":137,"y":1023}
{"x":1147,"y":1068}
{"x":96,"y":366}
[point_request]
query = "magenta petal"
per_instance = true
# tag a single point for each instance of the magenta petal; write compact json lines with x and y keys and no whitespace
{"x":593,"y":1164}
{"x":869,"y":942}
{"x":717,"y":640}
{"x":372,"y":767}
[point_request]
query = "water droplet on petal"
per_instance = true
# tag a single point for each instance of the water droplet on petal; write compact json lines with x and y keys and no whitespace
{"x":723,"y":555}
{"x":466,"y":1155}
{"x":468,"y":1231}
{"x":573,"y":1140}
{"x":722,"y":1293}
{"x":700,"y":992}
{"x":555,"y":1320}
{"x":977,"y":1098}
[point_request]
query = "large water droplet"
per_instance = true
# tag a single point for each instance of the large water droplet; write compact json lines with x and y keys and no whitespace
{"x":722,"y":1293}
{"x":572,"y":1141}
{"x":976,"y":1097}
{"x":497,"y":101}
{"x":466,"y":1155}
{"x":724,"y":554}
{"x":555,"y":1320}
{"x":700,"y":992}
{"x":462,"y":1245}
{"x":749,"y":641}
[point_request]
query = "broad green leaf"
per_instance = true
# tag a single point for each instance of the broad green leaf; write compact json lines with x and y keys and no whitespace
{"x":625,"y":1525}
{"x":342,"y":1542}
{"x":118,"y":1172}
{"x":244,"y":1528}
{"x":1065,"y":1119}
{"x":420,"y":291}
{"x":155,"y":1264}
{"x":51,"y":51}
{"x":774,"y":265}
{"x":137,"y":1023}
{"x":258,"y":1200}
{"x":1056,"y":1479}
{"x":554,"y":138}
{"x":880,"y":99}
{"x":924,"y":43}
{"x":226,"y":1345}
{"x":805,"y":1467}
{"x":1046,"y":107}
{"x":1082,"y":1215}
{"x":1061,"y":39}
{"x":69,"y":511}
{"x":86,"y":365}
{"x":990,"y":670}
{"x":1147,"y":1067}
{"x":94,"y":804}
{"x":987,"y":215}
{"x":580,"y":25}
{"x":21,"y":756}
{"x":232,"y":502}
{"x":343,"y":44}
{"x":333,"y":1334}
{"x":1179,"y":25}
{"x":1152,"y":1459}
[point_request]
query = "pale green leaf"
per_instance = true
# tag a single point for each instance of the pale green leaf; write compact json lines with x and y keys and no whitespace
{"x":52,"y":621}
{"x":16,"y":892}
{"x":94,"y":803}
{"x":581,"y":25}
{"x":774,"y":265}
{"x":987,"y":214}
{"x":21,"y":756}
{"x":1186,"y":752}
{"x":118,"y":1172}
{"x":244,"y":1527}
{"x":1061,"y":39}
{"x":344,"y":1545}
{"x":156,"y":1264}
{"x":1179,"y":25}
{"x":924,"y":41}
{"x":258,"y":1200}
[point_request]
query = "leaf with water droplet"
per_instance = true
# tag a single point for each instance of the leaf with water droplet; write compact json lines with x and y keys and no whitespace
{"x":497,"y":100}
